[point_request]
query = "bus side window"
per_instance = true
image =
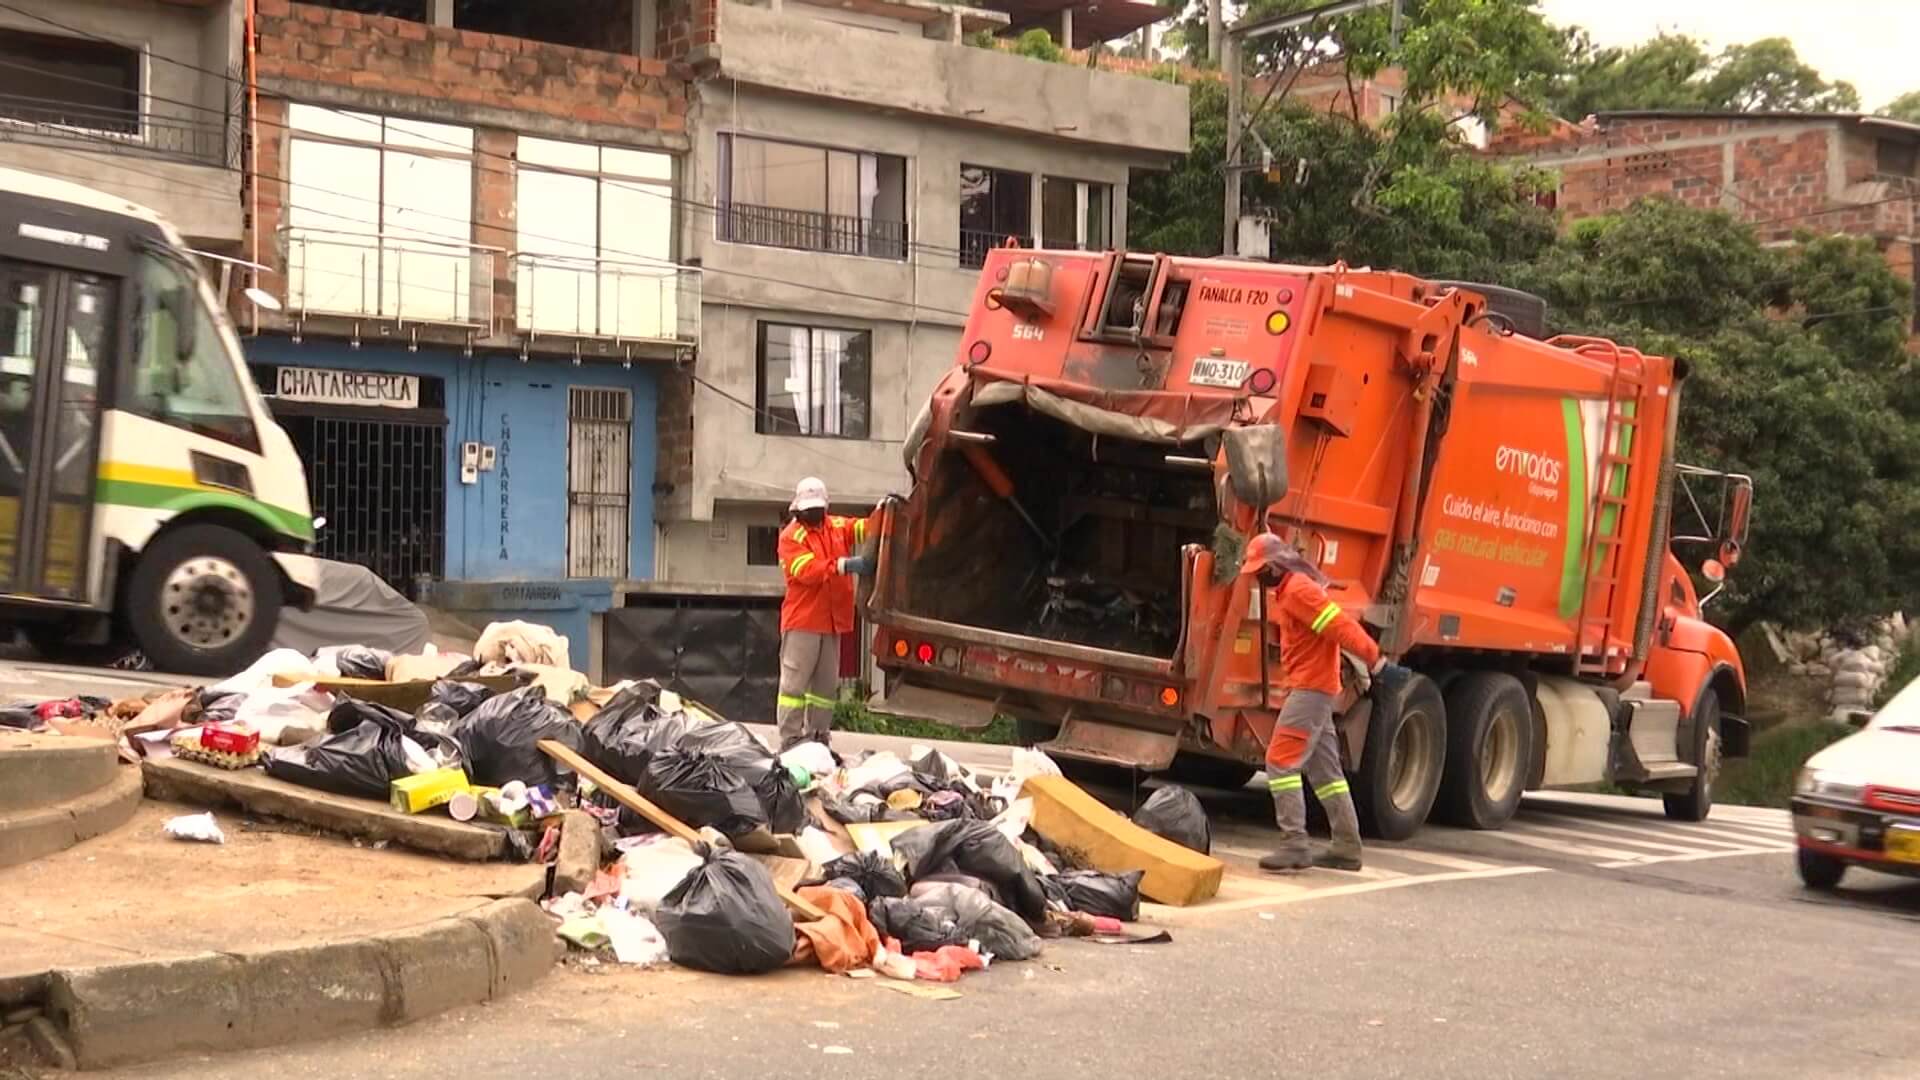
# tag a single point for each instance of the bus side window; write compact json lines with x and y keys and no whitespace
{"x":182,"y":374}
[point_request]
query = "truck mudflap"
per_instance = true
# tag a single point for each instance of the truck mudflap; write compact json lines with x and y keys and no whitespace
{"x":908,"y":701}
{"x":1086,"y":739}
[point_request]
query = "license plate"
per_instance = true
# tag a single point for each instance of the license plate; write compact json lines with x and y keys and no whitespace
{"x":1903,"y":845}
{"x":1211,"y":372}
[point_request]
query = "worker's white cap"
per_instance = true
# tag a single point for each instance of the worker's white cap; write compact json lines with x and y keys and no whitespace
{"x":809,"y":494}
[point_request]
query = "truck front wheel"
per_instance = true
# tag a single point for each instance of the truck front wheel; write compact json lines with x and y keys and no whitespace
{"x":1696,"y":802}
{"x":1489,"y":749}
{"x":1405,"y":756}
{"x":203,"y":600}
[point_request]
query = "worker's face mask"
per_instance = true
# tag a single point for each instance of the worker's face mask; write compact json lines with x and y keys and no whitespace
{"x":813,"y":515}
{"x":1271,"y":578}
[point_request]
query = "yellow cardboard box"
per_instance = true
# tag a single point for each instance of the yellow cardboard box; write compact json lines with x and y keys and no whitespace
{"x":424,"y":791}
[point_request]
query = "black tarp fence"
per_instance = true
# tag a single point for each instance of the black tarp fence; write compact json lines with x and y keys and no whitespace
{"x":723,"y":651}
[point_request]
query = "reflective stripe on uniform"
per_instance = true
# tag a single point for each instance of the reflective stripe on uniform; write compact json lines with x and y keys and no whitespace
{"x":1330,"y":789}
{"x":799,"y":533}
{"x":1326,"y":616}
{"x":789,"y":701}
{"x":819,"y":702}
{"x":800,"y":560}
{"x":1283,"y":783}
{"x":860,"y":531}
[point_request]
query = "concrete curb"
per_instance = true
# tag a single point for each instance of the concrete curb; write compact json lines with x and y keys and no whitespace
{"x":215,"y":1002}
{"x":39,"y":770}
{"x":36,"y":833}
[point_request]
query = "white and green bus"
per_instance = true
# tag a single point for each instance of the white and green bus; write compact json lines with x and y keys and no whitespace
{"x":147,"y":498}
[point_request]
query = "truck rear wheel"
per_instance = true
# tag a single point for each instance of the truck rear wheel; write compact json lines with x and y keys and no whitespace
{"x":1403,"y":761}
{"x":1696,"y":802}
{"x":1489,"y":749}
{"x":203,"y":600}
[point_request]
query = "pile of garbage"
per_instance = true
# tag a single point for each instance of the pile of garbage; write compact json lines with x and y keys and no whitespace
{"x":715,"y":852}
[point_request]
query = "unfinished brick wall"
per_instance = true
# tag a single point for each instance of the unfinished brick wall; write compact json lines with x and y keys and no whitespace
{"x":673,"y":425}
{"x":685,"y":25}
{"x":307,"y":43}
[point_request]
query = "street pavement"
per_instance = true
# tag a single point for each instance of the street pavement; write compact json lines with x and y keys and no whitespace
{"x":1589,"y":938}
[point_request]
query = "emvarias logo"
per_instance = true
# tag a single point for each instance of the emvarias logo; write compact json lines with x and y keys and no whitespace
{"x":1526,"y":464}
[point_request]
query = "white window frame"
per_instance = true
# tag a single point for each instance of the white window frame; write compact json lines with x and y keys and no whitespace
{"x":619,"y":269}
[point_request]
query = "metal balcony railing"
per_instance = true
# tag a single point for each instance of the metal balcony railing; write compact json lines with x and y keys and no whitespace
{"x":381,"y":276}
{"x":975,"y":243}
{"x":206,"y":139}
{"x":606,"y":298}
{"x":808,"y":230}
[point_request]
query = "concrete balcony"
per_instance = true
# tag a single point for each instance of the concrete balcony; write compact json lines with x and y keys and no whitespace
{"x":791,"y":48}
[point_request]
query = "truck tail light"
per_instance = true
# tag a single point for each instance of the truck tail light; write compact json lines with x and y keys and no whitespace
{"x":978,"y":352}
{"x":950,"y":657}
{"x":900,"y":648}
{"x":1278,"y":322}
{"x":1114,"y":688}
{"x":1169,"y":697}
{"x":925,"y":652}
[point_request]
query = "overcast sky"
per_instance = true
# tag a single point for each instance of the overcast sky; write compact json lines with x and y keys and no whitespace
{"x":1869,"y":43}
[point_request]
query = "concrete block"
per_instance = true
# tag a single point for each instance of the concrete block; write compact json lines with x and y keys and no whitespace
{"x":126,"y":1013}
{"x":32,"y":834}
{"x":578,"y":860}
{"x":1068,"y":816}
{"x":311,"y":992}
{"x":371,"y":819}
{"x":430,"y":969}
{"x":522,"y":940}
{"x":38,"y":770}
{"x":52,"y":1046}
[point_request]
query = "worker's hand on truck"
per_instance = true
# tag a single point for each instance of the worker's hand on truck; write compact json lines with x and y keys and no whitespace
{"x":854,"y":564}
{"x":1389,"y":674}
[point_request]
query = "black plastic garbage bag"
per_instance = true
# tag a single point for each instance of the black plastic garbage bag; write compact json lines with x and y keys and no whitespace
{"x":726,"y":916}
{"x":361,"y":662}
{"x":873,"y":872}
{"x":19,"y":714}
{"x":1174,"y":813}
{"x":701,"y":789}
{"x":1095,"y":893}
{"x":627,"y":736}
{"x":361,"y":761}
{"x":918,"y":925}
{"x":620,"y":737}
{"x":351,"y":713}
{"x":977,"y":918}
{"x":500,"y":738}
{"x":462,"y":697}
{"x":211,"y":707}
{"x":848,"y":885}
{"x":977,"y":848}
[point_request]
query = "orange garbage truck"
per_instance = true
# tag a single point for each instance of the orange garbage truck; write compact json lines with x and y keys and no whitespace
{"x":1502,"y":512}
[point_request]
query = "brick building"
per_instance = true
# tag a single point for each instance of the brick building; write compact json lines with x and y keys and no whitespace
{"x":1781,"y":172}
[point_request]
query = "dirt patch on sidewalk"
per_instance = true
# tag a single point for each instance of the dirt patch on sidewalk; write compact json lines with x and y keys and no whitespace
{"x":136,"y":894}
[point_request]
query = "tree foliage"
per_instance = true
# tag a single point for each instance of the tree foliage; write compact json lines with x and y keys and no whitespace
{"x":1905,"y":107}
{"x":1799,"y":377}
{"x":1674,"y":71}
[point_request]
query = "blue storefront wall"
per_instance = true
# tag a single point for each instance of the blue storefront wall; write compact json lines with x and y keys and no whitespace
{"x":511,"y":526}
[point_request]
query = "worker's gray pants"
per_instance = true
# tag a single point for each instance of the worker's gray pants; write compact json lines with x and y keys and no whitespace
{"x":1311,"y":713}
{"x":809,"y":676}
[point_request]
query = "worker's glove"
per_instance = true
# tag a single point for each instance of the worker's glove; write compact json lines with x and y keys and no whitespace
{"x":1390,"y":675}
{"x":1357,"y":672}
{"x":854,"y":564}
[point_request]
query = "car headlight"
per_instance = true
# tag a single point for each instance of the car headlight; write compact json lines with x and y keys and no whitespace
{"x":1832,"y":785}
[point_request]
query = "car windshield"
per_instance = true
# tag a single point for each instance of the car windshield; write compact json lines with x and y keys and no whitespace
{"x":1902,"y":713}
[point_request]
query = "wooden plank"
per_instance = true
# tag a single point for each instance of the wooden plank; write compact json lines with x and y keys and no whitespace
{"x":672,"y":826}
{"x":1070,"y":817}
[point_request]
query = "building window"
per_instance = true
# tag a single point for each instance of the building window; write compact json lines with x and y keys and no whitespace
{"x":1895,"y":157}
{"x":996,"y":205}
{"x":814,"y":198}
{"x":815,"y":380}
{"x":69,"y":82}
{"x":763,"y":545}
{"x":1076,"y":214}
{"x":596,"y":242}
{"x":379,"y":219}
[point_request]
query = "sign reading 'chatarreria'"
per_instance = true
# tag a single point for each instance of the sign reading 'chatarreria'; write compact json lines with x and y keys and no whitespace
{"x":323,"y":386}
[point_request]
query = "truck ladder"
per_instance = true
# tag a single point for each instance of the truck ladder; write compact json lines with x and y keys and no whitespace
{"x":1602,"y":555}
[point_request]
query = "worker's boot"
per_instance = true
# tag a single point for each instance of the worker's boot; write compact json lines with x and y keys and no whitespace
{"x":1290,"y":815}
{"x":1343,"y":851}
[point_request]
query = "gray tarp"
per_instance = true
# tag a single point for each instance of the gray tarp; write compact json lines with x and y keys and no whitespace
{"x":354,"y":607}
{"x":1169,"y":419}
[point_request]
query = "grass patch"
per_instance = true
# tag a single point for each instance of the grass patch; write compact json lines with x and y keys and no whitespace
{"x":852,"y":716}
{"x":1765,"y":776}
{"x":1906,"y":668}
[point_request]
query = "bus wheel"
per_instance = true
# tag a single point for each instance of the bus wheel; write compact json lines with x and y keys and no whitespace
{"x":203,"y":600}
{"x":1405,"y":754}
{"x":1489,"y":750}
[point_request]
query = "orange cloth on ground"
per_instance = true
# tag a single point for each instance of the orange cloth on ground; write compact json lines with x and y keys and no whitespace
{"x":842,"y":941}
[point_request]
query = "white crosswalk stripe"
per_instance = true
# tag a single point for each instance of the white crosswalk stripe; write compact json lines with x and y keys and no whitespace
{"x":1606,"y":831}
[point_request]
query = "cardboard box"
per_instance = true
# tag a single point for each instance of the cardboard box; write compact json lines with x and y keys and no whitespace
{"x":424,"y":791}
{"x":230,"y":738}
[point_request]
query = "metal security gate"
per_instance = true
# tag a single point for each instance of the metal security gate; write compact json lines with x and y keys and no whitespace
{"x":381,"y":486}
{"x":599,"y":481}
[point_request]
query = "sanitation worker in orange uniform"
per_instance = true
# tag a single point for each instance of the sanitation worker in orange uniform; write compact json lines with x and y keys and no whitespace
{"x":1313,"y":631}
{"x":817,"y":557}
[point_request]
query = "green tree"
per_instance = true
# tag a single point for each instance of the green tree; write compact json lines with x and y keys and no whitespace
{"x":1799,"y":376}
{"x":1905,"y":107}
{"x":1674,"y":71}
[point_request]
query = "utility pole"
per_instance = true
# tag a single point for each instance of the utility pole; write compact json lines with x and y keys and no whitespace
{"x":1225,"y":47}
{"x":1216,"y":29}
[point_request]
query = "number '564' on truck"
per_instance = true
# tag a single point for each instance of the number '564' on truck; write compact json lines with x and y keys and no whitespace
{"x":1502,"y":511}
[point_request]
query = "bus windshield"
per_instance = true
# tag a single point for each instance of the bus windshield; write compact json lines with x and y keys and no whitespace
{"x":181,"y":372}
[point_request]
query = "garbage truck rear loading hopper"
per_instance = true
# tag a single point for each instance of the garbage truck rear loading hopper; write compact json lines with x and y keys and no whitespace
{"x":1494,"y":508}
